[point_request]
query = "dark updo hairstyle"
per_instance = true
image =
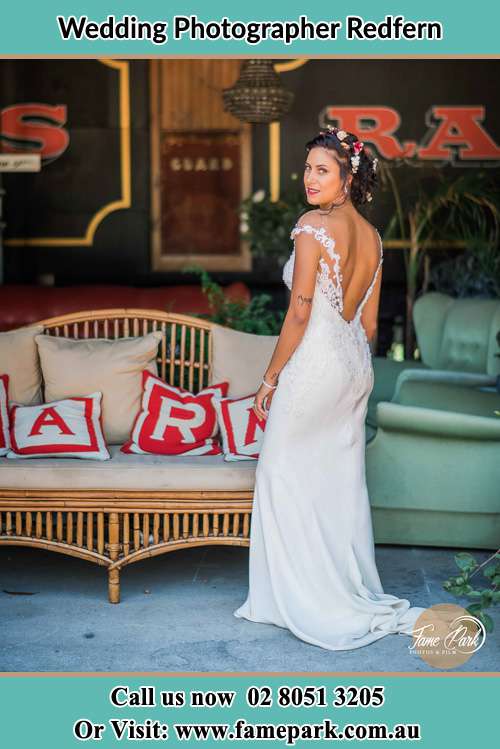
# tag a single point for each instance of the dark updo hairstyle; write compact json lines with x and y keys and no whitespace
{"x":364,"y":180}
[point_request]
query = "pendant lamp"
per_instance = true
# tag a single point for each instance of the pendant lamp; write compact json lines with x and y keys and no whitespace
{"x":258,"y":95}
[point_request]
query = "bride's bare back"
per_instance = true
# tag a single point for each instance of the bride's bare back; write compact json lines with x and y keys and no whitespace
{"x":353,"y":263}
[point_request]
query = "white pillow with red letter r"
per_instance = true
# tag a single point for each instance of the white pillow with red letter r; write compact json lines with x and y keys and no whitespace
{"x":4,"y":414}
{"x":69,"y":428}
{"x":241,"y":429}
{"x":174,"y":421}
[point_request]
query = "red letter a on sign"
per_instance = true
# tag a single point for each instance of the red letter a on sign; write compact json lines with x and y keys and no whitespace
{"x":49,"y":417}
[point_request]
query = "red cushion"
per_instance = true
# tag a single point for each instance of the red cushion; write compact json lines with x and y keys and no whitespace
{"x":4,"y":414}
{"x":69,"y":428}
{"x":174,"y":421}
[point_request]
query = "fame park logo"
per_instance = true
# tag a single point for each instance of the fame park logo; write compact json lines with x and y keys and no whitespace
{"x":446,"y":635}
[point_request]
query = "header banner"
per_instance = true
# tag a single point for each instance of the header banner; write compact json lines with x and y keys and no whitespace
{"x":152,"y":28}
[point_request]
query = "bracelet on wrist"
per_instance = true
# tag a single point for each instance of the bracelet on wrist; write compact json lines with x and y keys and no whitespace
{"x":273,"y":387}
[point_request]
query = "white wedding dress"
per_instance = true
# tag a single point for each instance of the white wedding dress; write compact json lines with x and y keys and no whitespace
{"x":312,"y":558}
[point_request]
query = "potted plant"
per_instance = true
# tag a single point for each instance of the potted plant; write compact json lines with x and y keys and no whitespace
{"x":483,"y":594}
{"x":267,"y":224}
{"x":435,"y":207}
{"x":252,"y":317}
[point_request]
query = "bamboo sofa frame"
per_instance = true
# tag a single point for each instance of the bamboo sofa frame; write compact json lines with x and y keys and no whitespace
{"x":113,"y":528}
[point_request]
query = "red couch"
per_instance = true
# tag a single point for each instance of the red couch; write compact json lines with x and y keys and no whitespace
{"x":22,"y":305}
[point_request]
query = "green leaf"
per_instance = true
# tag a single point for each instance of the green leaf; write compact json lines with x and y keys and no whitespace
{"x":486,"y":597}
{"x":456,"y":590}
{"x":491,"y":570}
{"x":465,"y":561}
{"x":474,"y":609}
{"x":486,"y":620}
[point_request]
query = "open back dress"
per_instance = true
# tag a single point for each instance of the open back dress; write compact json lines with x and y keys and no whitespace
{"x":312,"y":557}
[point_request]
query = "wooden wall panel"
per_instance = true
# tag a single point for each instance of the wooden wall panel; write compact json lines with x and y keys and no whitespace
{"x":190,"y":92}
{"x":194,"y":189}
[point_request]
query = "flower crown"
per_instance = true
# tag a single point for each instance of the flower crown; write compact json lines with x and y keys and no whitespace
{"x":357,"y":147}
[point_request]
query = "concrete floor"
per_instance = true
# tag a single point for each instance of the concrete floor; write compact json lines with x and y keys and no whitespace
{"x":176,"y":614}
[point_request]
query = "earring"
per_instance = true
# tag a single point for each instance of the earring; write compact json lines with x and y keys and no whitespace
{"x":346,"y":189}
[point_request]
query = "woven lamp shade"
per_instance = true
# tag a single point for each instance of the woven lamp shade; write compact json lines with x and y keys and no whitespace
{"x":258,"y":95}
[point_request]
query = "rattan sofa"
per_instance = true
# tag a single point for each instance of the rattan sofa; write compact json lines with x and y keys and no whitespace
{"x":119,"y":511}
{"x":83,"y":514}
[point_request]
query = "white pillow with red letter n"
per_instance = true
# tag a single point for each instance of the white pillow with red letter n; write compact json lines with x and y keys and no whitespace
{"x":174,"y":421}
{"x":69,"y":428}
{"x":4,"y":415}
{"x":241,"y":429}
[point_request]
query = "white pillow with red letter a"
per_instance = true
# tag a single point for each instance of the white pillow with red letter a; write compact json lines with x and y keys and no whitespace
{"x":69,"y":428}
{"x":174,"y":421}
{"x":4,"y":414}
{"x":241,"y":429}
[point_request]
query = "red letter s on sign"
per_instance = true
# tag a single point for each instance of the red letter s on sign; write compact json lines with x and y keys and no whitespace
{"x":34,"y":128}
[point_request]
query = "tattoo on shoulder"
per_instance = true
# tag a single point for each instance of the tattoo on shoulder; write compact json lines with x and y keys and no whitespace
{"x":304,"y":299}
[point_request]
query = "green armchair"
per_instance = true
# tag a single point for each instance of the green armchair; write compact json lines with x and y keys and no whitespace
{"x":433,"y":451}
{"x":457,"y":343}
{"x":433,"y":467}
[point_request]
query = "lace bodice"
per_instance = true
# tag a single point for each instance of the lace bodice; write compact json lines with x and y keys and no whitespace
{"x":329,"y":277}
{"x":330,"y":343}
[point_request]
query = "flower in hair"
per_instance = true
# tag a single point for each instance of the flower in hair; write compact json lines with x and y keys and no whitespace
{"x":358,"y":146}
{"x":354,"y":163}
{"x":374,"y":164}
{"x":341,"y":134}
{"x":368,"y":196}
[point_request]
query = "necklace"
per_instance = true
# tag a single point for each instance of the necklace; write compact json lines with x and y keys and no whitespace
{"x":327,"y":211}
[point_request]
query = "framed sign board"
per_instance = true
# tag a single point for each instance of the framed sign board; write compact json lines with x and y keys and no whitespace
{"x":201,"y":162}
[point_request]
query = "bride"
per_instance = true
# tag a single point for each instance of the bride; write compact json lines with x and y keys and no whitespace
{"x":312,"y":558}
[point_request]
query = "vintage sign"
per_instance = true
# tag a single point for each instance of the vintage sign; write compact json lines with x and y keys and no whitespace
{"x":13,"y":162}
{"x":200,"y":193}
{"x":75,"y":117}
{"x":34,"y":128}
{"x":454,"y":133}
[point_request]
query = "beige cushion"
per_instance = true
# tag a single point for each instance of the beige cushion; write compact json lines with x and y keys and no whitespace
{"x":73,"y":367}
{"x":130,"y":472}
{"x":240,"y":359}
{"x":19,"y":360}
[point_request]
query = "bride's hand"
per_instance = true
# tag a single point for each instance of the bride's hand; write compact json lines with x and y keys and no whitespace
{"x":262,"y":402}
